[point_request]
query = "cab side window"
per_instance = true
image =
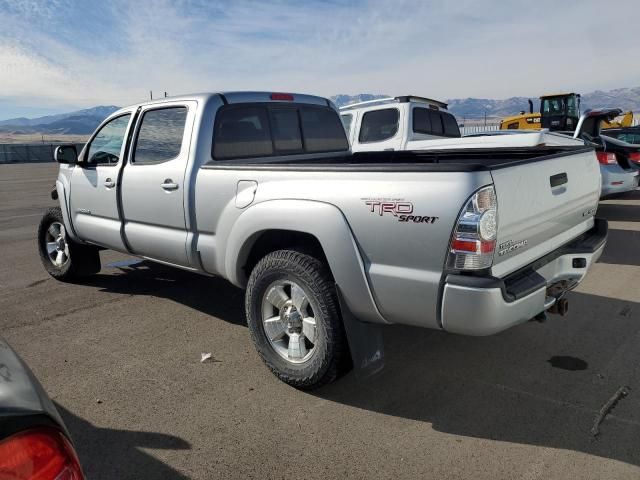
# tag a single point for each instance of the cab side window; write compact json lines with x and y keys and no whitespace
{"x":379,"y":125}
{"x":106,"y":145}
{"x":160,"y":136}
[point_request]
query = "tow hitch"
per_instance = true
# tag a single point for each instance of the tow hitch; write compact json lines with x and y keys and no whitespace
{"x":556,"y":302}
{"x":557,"y":291}
{"x":561,"y":307}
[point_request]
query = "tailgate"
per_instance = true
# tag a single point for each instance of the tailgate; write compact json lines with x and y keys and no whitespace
{"x":542,"y":205}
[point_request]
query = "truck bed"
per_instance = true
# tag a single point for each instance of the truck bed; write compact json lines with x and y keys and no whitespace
{"x":430,"y":160}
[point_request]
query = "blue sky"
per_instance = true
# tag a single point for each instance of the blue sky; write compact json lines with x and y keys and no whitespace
{"x":60,"y":55}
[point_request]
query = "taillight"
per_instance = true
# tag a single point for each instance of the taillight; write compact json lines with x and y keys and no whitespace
{"x":606,"y":158}
{"x":474,"y":238}
{"x":40,"y":454}
{"x":634,"y":157}
{"x":287,"y":97}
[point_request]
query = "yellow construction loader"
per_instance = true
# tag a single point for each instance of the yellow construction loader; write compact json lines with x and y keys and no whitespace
{"x":559,"y":111}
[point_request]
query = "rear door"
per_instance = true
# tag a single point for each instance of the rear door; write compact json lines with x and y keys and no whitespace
{"x":154,"y":185}
{"x":94,"y":185}
{"x":542,"y":205}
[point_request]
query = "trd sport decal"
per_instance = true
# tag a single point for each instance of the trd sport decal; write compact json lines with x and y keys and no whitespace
{"x":400,"y":209}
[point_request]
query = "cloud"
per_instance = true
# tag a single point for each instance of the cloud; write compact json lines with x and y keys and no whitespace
{"x":81,"y":53}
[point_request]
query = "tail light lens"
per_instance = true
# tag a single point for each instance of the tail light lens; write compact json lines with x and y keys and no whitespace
{"x":41,"y":454}
{"x":474,"y":238}
{"x":606,"y":158}
{"x":634,"y":157}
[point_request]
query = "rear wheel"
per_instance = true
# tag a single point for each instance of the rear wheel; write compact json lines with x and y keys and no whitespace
{"x":61,"y":257}
{"x":294,"y":321}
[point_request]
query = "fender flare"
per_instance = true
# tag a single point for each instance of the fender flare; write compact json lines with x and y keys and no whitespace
{"x":63,"y":199}
{"x":328,"y":225}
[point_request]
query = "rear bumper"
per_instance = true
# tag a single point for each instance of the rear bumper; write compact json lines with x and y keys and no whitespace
{"x":487,"y":305}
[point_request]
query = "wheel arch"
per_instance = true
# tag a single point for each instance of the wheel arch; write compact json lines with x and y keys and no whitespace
{"x":267,"y":241}
{"x":317,"y":226}
{"x":62,"y":189}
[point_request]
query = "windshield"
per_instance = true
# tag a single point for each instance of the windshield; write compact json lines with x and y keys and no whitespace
{"x":554,"y":106}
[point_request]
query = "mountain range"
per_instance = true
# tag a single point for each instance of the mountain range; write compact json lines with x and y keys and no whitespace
{"x":80,"y":122}
{"x":475,"y":108}
{"x":84,"y":122}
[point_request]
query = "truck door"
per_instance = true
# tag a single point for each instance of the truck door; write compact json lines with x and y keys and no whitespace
{"x":94,"y":185}
{"x":153,"y":183}
{"x":379,"y":129}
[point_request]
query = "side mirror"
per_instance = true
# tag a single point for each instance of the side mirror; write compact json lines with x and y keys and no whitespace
{"x":67,"y":154}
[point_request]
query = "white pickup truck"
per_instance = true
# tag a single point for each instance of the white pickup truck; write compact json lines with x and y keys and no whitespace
{"x":261,"y":189}
{"x":417,"y":123}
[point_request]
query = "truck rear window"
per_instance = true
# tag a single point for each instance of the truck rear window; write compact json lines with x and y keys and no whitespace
{"x":263,"y":130}
{"x":323,"y":130}
{"x":242,"y":132}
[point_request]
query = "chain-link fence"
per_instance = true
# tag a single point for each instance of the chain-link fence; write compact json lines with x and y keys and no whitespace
{"x":473,"y":129}
{"x":29,"y":153}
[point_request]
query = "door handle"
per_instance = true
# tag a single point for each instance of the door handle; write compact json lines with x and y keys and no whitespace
{"x":169,"y":185}
{"x":559,"y":179}
{"x":109,"y":183}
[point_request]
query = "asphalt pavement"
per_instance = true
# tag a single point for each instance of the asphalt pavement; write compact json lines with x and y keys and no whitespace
{"x":120,"y":352}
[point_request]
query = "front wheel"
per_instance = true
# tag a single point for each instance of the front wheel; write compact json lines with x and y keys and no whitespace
{"x":61,"y":257}
{"x":293,"y":318}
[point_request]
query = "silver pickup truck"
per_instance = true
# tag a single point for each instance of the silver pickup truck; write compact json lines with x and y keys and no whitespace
{"x":262,"y":189}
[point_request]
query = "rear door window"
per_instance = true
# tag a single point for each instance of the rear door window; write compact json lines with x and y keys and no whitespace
{"x":379,"y":125}
{"x":160,"y":136}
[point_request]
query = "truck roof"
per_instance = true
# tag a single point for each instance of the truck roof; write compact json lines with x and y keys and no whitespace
{"x":240,"y":97}
{"x":399,"y":99}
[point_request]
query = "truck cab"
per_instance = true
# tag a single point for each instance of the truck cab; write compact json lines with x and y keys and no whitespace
{"x":392,"y":123}
{"x":560,"y":111}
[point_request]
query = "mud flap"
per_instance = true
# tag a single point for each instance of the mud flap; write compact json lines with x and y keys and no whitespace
{"x":365,"y":342}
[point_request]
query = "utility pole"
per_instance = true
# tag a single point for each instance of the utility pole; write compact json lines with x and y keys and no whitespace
{"x":151,"y":94}
{"x":165,"y":94}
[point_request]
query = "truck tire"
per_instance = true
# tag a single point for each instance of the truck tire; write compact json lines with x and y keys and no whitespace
{"x":61,"y":257}
{"x":293,"y":317}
